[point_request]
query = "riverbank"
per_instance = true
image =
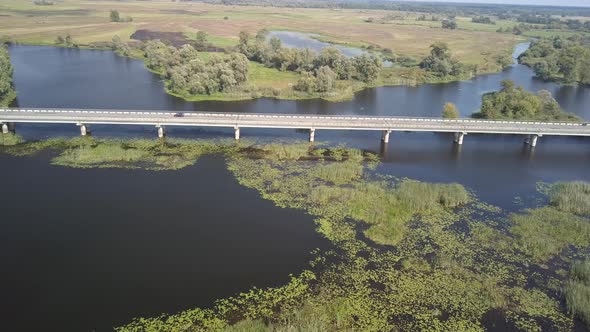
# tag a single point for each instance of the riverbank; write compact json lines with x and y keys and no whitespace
{"x":409,"y":255}
{"x":265,"y":82}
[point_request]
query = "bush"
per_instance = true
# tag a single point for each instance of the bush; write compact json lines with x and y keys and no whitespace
{"x":450,"y":111}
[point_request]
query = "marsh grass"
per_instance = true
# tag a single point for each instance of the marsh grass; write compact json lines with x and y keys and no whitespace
{"x":10,"y":139}
{"x":285,"y":152}
{"x":571,"y":197}
{"x":339,"y":173}
{"x":546,"y":232}
{"x":577,"y":291}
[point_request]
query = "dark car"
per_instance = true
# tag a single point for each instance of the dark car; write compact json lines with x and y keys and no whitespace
{"x":178,"y":115}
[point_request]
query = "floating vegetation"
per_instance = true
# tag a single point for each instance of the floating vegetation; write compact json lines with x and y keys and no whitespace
{"x":408,"y":255}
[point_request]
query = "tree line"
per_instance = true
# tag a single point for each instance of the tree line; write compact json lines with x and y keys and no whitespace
{"x":561,"y":59}
{"x":551,"y":22}
{"x":449,"y":8}
{"x":7,"y":92}
{"x":186,"y":72}
{"x":319,"y":70}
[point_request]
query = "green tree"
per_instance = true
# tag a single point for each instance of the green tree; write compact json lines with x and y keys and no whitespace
{"x":450,"y":111}
{"x":115,"y":16}
{"x":240,"y":66}
{"x":261,"y":35}
{"x":449,"y":24}
{"x":306,"y":82}
{"x":543,"y":70}
{"x":6,"y":87}
{"x":275,"y":44}
{"x":368,"y":67}
{"x":325,"y":79}
{"x":244,"y":43}
{"x":201,"y":38}
{"x":569,"y":62}
{"x":441,"y":62}
{"x":504,"y":60}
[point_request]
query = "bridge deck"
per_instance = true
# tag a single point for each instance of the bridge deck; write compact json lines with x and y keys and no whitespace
{"x":246,"y":120}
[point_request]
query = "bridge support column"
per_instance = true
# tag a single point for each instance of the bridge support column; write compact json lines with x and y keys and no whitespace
{"x":84,"y":130}
{"x":459,"y":138}
{"x":532,"y":140}
{"x":237,"y":133}
{"x":161,"y":132}
{"x":5,"y":128}
{"x":312,"y":135}
{"x":385,"y":136}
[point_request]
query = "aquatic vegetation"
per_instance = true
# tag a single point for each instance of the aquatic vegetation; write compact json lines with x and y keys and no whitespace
{"x":571,"y":197}
{"x":88,"y":152}
{"x":545,"y":232}
{"x":407,"y":256}
{"x":577,"y":291}
{"x":10,"y":139}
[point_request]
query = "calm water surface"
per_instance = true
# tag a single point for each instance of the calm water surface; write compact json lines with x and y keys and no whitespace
{"x":294,"y":39}
{"x":186,"y":247}
{"x":89,"y":249}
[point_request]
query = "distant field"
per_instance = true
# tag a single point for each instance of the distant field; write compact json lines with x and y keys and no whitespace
{"x":88,"y":21}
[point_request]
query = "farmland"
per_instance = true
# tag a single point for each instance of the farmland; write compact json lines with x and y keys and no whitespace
{"x":88,"y":21}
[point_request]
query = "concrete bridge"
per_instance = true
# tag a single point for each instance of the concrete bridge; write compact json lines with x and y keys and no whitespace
{"x":83,"y":118}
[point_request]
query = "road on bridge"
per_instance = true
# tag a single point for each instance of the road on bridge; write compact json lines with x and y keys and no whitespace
{"x":85,"y":117}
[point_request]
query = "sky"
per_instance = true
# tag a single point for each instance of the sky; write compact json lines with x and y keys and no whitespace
{"x":579,"y":3}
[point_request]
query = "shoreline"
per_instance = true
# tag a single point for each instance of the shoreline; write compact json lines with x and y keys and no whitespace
{"x":253,"y":92}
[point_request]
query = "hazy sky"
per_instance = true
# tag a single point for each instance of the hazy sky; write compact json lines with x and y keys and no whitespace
{"x":579,"y":3}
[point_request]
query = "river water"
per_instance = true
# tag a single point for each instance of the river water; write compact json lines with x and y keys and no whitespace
{"x":82,"y":250}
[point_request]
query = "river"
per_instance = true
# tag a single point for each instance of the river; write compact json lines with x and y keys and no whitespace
{"x":81,"y":249}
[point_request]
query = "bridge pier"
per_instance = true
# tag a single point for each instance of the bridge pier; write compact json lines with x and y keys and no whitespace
{"x":5,"y":128}
{"x":532,"y":140}
{"x":312,"y":135}
{"x":84,"y":129}
{"x":459,"y":138}
{"x":161,"y":132}
{"x":237,"y":133}
{"x":385,"y":136}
